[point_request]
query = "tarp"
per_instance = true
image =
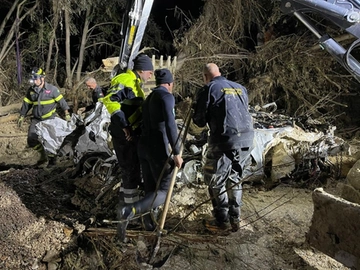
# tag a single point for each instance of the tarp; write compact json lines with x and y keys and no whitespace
{"x":95,"y":138}
{"x":53,"y":132}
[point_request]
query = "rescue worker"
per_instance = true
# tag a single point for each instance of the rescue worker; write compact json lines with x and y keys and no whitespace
{"x":223,"y":105}
{"x":97,"y":92}
{"x":159,"y":130}
{"x":123,"y":101}
{"x":42,"y":97}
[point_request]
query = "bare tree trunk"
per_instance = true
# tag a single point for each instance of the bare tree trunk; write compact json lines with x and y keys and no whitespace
{"x":7,"y":17}
{"x":67,"y":48}
{"x":55,"y":24}
{"x":81,"y":56}
{"x":83,"y":44}
{"x":6,"y":46}
{"x":56,"y":59}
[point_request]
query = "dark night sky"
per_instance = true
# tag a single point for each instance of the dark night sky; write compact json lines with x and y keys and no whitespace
{"x":163,"y":10}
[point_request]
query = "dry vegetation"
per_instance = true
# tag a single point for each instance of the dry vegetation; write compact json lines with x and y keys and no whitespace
{"x":285,"y":66}
{"x":253,"y":42}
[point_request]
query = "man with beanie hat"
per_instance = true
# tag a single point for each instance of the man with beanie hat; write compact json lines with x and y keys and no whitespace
{"x":142,"y":62}
{"x":159,"y":130}
{"x":123,"y":101}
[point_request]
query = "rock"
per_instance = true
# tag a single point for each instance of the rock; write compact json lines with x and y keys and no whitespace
{"x":282,"y":162}
{"x":353,"y":176}
{"x":346,"y":163}
{"x":52,"y":256}
{"x":350,"y":194}
{"x":335,"y":228}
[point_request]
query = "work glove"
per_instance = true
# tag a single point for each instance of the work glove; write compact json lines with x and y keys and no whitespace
{"x":67,"y":117}
{"x":20,"y":121}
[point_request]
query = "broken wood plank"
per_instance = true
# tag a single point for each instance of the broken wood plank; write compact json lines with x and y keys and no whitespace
{"x":13,"y":135}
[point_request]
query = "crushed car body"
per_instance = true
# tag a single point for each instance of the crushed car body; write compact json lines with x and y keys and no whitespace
{"x":281,"y":148}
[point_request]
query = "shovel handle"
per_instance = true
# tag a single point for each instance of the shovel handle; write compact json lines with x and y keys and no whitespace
{"x":167,"y":201}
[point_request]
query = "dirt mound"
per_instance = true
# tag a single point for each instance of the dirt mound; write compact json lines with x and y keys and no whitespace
{"x":26,"y":239}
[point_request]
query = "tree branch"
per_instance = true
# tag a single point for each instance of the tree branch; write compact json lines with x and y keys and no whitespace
{"x":7,"y":17}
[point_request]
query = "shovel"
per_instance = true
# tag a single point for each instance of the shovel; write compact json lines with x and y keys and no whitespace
{"x":160,"y":228}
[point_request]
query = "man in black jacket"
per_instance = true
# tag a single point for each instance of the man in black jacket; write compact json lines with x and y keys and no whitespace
{"x":97,"y":93}
{"x":159,"y":130}
{"x":223,"y":105}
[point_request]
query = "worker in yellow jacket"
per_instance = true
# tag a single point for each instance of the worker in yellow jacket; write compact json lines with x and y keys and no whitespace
{"x":123,"y":101}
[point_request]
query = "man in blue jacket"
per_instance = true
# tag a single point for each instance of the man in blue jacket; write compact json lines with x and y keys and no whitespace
{"x":97,"y":93}
{"x":159,"y":131}
{"x":223,"y":105}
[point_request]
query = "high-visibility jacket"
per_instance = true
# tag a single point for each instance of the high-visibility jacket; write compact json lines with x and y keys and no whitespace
{"x":43,"y":101}
{"x":124,"y":99}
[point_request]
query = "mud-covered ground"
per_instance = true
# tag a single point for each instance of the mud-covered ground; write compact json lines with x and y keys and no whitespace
{"x":52,"y":219}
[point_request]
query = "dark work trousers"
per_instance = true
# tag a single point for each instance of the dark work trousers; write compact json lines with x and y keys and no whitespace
{"x":223,"y":175}
{"x":155,"y":167}
{"x":32,"y":137}
{"x":126,"y":153}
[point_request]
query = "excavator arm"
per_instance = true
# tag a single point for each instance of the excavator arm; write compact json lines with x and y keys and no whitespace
{"x":132,"y":31}
{"x":343,"y":13}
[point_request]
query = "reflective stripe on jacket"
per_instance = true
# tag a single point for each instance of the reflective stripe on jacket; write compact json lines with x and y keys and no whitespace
{"x":43,"y":101}
{"x":125,"y":95}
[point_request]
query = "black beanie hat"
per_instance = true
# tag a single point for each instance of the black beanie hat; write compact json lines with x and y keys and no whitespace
{"x":143,"y":62}
{"x":163,"y":76}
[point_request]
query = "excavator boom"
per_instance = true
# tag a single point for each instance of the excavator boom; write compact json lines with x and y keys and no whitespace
{"x":345,"y":14}
{"x":132,"y":30}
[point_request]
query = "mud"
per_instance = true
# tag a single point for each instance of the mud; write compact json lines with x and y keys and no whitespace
{"x":52,"y":220}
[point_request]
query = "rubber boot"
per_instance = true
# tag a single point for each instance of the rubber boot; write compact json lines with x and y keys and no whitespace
{"x":43,"y":157}
{"x":235,"y":213}
{"x":235,"y":223}
{"x":124,"y":215}
{"x":214,"y":226}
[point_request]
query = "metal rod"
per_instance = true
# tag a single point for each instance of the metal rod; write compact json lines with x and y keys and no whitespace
{"x":307,"y":24}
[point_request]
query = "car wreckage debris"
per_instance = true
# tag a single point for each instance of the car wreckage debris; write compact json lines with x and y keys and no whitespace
{"x":282,"y":149}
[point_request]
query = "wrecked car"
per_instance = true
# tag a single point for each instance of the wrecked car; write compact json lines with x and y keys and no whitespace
{"x":281,"y":148}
